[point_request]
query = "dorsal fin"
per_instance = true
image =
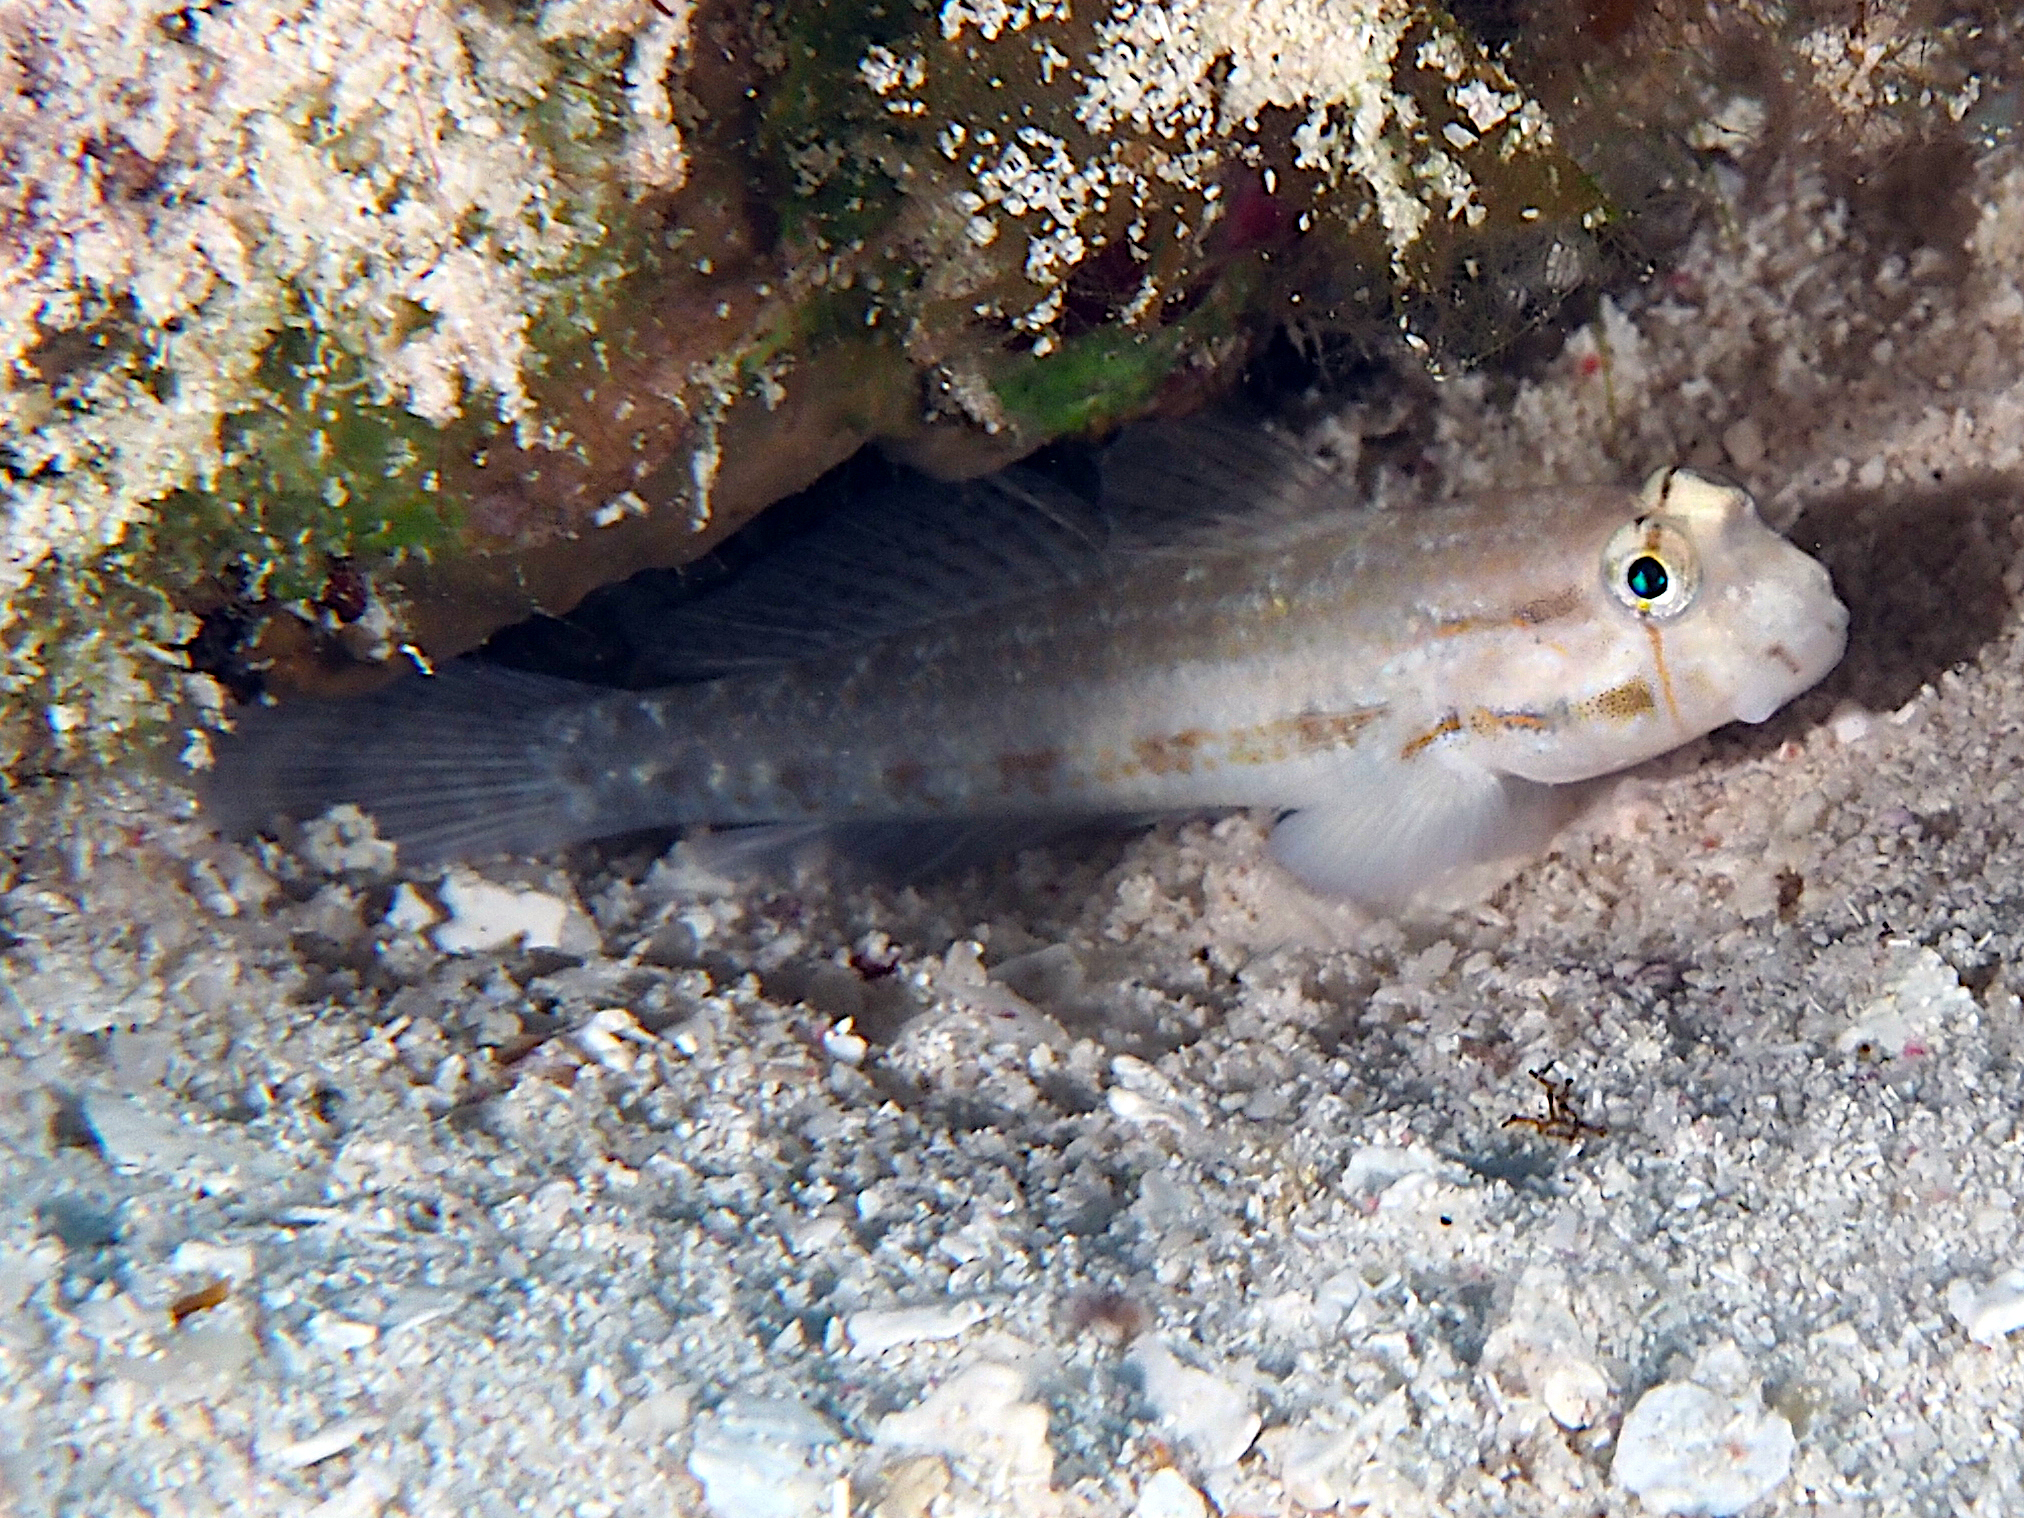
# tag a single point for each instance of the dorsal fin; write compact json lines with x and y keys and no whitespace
{"x":903,"y":556}
{"x":1212,"y":482}
{"x":918,"y":550}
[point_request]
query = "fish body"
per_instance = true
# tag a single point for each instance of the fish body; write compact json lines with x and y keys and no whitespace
{"x":1406,"y":686}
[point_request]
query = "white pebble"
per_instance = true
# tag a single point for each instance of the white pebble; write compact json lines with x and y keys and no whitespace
{"x":409,"y":913}
{"x":1698,"y":1449}
{"x":1575,"y":1392}
{"x":487,"y":916}
{"x":334,"y":1440}
{"x":610,"y":1037}
{"x":1988,"y":1312}
{"x":343,"y":840}
{"x":875,"y":1332}
{"x":1167,"y":1494}
{"x":751,"y":1456}
{"x":1850,"y":723}
{"x":982,"y":1423}
{"x":1143,"y":1110}
{"x":843,"y":1045}
{"x":1376,"y":1167}
{"x":195,"y":1257}
{"x":110,"y":1319}
{"x":1915,"y":1011}
{"x":1213,"y":1417}
{"x":656,"y":1417}
{"x":1327,"y":1467}
{"x":1744,"y":443}
{"x":815,"y":1235}
{"x":132,"y":1137}
{"x":341,"y":1334}
{"x":1542,"y":1348}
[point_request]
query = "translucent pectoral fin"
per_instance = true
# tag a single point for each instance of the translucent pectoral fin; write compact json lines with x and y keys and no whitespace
{"x":1384,"y":844}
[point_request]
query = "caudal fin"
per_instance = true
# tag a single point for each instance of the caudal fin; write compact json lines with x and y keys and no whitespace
{"x":455,"y":765}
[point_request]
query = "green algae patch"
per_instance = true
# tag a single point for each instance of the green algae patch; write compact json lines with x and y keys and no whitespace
{"x":322,"y":471}
{"x":1088,"y":384}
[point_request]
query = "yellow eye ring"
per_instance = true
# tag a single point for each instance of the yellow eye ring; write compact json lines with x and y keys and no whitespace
{"x":1650,"y":566}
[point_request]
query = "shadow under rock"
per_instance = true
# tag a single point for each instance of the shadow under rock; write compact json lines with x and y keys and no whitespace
{"x":1921,"y":573}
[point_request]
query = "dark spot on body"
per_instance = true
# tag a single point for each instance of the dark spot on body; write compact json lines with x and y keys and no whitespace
{"x":1322,"y":730}
{"x":1032,"y":772}
{"x":1486,"y":723}
{"x":1541,"y":609}
{"x":1308,"y":733}
{"x":809,"y":784}
{"x":906,"y":780}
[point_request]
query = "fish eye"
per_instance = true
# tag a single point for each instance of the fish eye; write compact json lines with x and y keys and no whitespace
{"x":1650,"y":567}
{"x":1646,"y":577}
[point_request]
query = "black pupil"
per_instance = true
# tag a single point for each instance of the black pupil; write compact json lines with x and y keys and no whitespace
{"x":1646,"y":578}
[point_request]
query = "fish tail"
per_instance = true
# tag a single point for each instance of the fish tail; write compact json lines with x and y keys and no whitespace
{"x":461,"y":764}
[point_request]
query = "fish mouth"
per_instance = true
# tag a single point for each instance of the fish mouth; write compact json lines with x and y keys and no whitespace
{"x":1807,"y":663}
{"x":1761,"y":710}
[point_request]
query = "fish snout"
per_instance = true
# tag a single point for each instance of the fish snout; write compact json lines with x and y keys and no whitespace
{"x":1797,"y":647}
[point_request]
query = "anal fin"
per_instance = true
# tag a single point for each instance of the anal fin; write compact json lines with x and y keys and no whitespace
{"x":891,"y":853}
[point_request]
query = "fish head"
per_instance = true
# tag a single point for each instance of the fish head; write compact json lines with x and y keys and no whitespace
{"x":1696,"y":615}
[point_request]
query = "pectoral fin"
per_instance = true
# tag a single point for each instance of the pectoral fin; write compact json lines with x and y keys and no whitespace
{"x":1385,"y":844}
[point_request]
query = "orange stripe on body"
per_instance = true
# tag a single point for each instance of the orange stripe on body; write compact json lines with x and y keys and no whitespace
{"x":1665,"y":677}
{"x":1547,"y":608}
{"x":1200,"y":749}
{"x":1444,"y":728}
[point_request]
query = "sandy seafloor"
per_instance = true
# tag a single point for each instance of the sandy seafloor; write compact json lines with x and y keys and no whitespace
{"x":1141,"y":1181}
